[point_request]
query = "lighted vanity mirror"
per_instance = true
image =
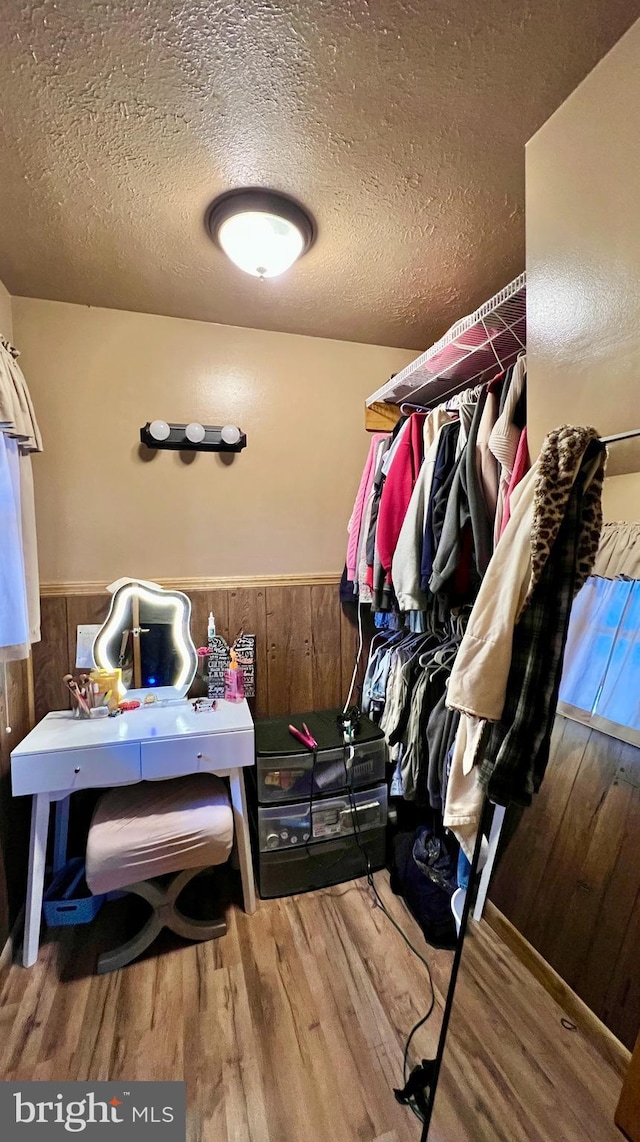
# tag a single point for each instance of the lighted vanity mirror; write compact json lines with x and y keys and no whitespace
{"x":147,"y":634}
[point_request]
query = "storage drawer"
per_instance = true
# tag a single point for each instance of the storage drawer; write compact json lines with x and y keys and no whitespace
{"x":287,"y":872}
{"x":189,"y":754}
{"x":290,"y":776}
{"x":76,"y":769}
{"x":280,"y":827}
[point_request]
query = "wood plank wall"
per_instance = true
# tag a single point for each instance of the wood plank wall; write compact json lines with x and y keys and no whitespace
{"x":569,"y":879}
{"x":14,"y":815}
{"x":305,"y":641}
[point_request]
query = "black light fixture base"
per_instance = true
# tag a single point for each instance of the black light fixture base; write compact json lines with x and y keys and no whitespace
{"x":177,"y":440}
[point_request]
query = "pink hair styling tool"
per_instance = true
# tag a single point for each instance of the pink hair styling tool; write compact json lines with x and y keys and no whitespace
{"x":304,"y":736}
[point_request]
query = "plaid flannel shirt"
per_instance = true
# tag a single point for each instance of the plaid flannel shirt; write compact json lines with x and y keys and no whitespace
{"x":516,"y":749}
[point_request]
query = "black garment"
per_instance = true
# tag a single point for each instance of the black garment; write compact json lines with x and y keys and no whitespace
{"x":348,"y":590}
{"x":516,"y":751}
{"x":466,"y":542}
{"x":481,"y":521}
{"x":441,"y":731}
{"x":443,"y":474}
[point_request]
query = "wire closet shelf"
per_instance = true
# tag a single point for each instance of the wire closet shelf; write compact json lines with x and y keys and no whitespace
{"x":472,"y":351}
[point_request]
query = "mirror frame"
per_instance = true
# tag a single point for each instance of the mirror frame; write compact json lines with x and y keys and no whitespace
{"x":181,"y":625}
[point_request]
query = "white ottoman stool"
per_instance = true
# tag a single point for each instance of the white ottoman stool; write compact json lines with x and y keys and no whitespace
{"x":141,"y":832}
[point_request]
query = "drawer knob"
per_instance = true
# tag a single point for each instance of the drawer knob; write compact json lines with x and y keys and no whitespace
{"x":199,"y":756}
{"x":77,"y":769}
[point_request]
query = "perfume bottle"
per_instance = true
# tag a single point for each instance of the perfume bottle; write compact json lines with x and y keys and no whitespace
{"x":234,"y":681}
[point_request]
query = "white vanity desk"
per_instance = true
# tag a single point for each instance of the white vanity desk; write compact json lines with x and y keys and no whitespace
{"x":64,"y":754}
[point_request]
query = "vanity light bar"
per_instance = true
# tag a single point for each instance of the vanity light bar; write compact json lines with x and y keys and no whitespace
{"x":177,"y":439}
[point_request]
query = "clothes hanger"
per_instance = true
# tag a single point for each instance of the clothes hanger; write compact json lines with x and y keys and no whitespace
{"x":412,"y":408}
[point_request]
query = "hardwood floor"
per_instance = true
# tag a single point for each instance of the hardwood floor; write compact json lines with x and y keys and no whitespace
{"x":512,"y":1072}
{"x":291,"y":1027}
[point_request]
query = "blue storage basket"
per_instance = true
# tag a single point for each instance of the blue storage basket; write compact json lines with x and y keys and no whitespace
{"x":61,"y":907}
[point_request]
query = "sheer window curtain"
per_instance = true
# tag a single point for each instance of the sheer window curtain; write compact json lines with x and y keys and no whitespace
{"x":601,"y":675}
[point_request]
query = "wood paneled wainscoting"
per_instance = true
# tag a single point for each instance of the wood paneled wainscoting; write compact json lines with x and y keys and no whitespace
{"x":305,"y":641}
{"x":569,"y":879}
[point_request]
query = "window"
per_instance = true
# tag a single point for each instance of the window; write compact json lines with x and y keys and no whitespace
{"x":601,"y":678}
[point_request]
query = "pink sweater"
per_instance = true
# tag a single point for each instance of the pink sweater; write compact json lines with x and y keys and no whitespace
{"x":355,"y":523}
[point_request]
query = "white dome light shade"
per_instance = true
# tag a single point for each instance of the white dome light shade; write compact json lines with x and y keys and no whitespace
{"x":159,"y":429}
{"x":261,"y":244}
{"x":262,"y":232}
{"x":195,"y":432}
{"x":230,"y":434}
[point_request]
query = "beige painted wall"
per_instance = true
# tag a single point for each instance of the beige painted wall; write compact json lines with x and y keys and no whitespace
{"x":6,"y":320}
{"x":583,"y":266}
{"x":281,"y":506}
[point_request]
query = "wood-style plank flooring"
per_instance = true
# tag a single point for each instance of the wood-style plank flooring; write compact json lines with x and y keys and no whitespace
{"x":291,"y":1028}
{"x":512,"y":1072}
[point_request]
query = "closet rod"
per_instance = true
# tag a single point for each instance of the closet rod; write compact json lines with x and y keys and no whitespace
{"x":620,"y":436}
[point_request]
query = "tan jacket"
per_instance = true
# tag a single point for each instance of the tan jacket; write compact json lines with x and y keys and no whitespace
{"x":478,"y":682}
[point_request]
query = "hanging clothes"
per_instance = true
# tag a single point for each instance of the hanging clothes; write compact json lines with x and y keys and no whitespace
{"x":521,"y":466}
{"x":364,"y":491}
{"x":445,"y":465}
{"x":516,"y":751}
{"x":397,"y":490}
{"x":508,"y":668}
{"x":19,"y":437}
{"x":466,"y":542}
{"x":505,"y":436}
{"x":488,"y":467}
{"x":406,"y":565}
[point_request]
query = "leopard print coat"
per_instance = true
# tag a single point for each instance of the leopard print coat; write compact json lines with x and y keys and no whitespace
{"x":560,"y":460}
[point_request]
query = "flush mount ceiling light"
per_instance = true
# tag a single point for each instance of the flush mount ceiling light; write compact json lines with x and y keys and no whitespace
{"x":261,"y":231}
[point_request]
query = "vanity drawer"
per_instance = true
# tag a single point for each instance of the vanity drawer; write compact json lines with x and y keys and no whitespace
{"x":76,"y":769}
{"x":190,"y":754}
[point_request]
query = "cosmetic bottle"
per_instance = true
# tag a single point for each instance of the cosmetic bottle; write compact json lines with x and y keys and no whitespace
{"x":234,"y":681}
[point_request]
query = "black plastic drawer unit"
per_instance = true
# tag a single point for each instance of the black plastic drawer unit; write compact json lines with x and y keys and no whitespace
{"x":285,"y":771}
{"x":318,"y":818}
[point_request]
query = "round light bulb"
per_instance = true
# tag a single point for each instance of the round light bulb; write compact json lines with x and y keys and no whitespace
{"x":159,"y":429}
{"x":195,"y":432}
{"x":261,"y":244}
{"x":230,"y":434}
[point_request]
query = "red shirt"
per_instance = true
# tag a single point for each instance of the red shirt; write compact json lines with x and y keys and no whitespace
{"x":398,"y":487}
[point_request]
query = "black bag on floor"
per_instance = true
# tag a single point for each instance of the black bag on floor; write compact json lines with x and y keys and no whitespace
{"x":426,"y":898}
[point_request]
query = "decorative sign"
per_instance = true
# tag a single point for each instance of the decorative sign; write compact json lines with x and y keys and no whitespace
{"x":245,"y":648}
{"x":218,"y":662}
{"x":220,"y":659}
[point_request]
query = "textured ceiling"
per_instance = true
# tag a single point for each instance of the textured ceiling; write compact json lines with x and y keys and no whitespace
{"x":401,"y":125}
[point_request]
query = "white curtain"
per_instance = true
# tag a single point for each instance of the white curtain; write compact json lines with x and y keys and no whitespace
{"x":19,"y":586}
{"x":619,"y":551}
